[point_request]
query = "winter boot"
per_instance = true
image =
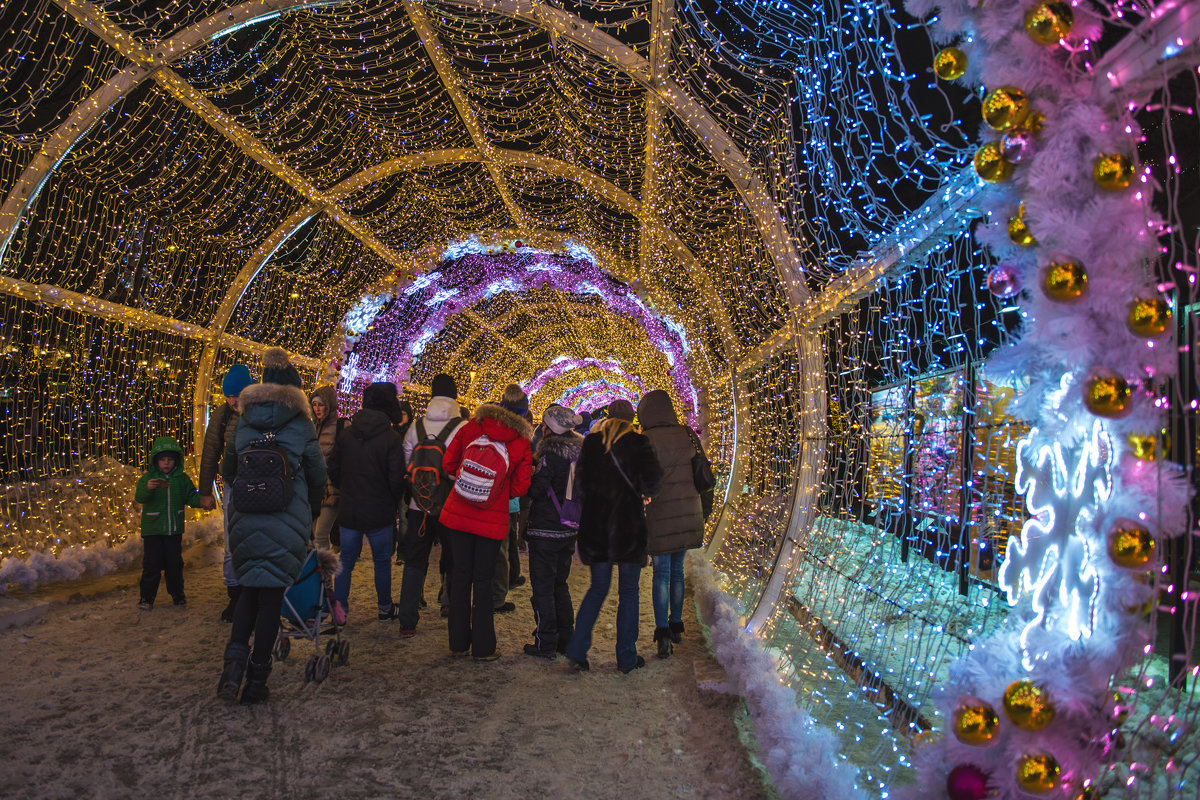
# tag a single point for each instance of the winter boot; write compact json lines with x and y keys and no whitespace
{"x":676,"y":631}
{"x":663,"y":637}
{"x":256,"y":683}
{"x":234,"y":593}
{"x":236,"y":656}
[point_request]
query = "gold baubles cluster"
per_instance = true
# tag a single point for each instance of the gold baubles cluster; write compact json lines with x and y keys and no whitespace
{"x":1130,"y":544}
{"x":975,"y":722}
{"x":1049,"y":22}
{"x":1147,"y":446}
{"x":1027,"y":705}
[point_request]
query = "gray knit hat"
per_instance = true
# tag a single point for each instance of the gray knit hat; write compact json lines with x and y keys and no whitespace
{"x":560,"y":419}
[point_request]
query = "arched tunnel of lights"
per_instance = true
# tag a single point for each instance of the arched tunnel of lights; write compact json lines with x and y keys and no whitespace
{"x":922,"y":274}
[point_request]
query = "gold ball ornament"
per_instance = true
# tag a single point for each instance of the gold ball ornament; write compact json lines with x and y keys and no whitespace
{"x":950,"y":63}
{"x":1005,"y":108}
{"x":1149,"y":317}
{"x":1038,"y":773}
{"x":1144,"y":446}
{"x":1018,"y":230}
{"x":1048,"y":22}
{"x":990,"y":164}
{"x":1113,"y":172}
{"x":975,"y":722}
{"x":1107,"y":394}
{"x":1027,"y":705}
{"x":1130,"y":545}
{"x":1064,"y":280}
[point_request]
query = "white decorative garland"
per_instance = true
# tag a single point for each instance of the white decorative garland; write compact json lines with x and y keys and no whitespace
{"x":800,"y":756}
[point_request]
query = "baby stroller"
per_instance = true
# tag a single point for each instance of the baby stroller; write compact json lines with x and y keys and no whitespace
{"x":308,"y":613}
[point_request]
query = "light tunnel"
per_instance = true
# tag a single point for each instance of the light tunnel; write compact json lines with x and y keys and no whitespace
{"x":922,"y":275}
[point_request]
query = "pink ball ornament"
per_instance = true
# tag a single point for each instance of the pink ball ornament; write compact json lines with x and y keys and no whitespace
{"x":967,"y":782}
{"x":1003,"y":281}
{"x":1015,"y":145}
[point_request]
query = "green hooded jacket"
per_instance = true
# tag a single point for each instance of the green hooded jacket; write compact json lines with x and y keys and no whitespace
{"x":163,"y":509}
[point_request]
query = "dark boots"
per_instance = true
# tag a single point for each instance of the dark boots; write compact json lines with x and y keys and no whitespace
{"x":234,"y":593}
{"x":676,"y":631}
{"x":256,"y":683}
{"x":236,"y":656}
{"x":663,"y":637}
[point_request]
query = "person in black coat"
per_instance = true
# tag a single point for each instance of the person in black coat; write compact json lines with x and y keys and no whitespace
{"x":619,"y":473}
{"x":367,"y":465}
{"x":550,"y":536}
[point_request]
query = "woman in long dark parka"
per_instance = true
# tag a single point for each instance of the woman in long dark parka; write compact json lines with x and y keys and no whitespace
{"x":619,"y":474}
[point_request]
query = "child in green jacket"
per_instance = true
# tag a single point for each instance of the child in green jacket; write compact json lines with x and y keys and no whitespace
{"x":164,"y":491}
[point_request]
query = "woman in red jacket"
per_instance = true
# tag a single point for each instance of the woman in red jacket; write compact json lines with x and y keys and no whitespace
{"x":491,"y":461}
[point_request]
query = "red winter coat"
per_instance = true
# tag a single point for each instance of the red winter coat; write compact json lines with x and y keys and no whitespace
{"x":490,"y":521}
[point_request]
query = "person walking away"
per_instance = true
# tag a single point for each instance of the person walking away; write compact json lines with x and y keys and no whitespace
{"x":619,"y":474}
{"x":428,"y":486}
{"x":401,"y":427}
{"x":367,"y":466}
{"x":277,"y":473}
{"x":552,"y":531}
{"x":328,"y":424}
{"x":508,"y":560}
{"x":164,"y":491}
{"x":491,"y":463}
{"x":675,"y":520}
{"x":217,"y":437}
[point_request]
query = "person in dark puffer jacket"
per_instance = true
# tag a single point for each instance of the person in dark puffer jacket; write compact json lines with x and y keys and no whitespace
{"x":367,"y":466}
{"x":674,"y":521}
{"x":269,"y":548}
{"x":551,"y":542}
{"x":619,"y":474}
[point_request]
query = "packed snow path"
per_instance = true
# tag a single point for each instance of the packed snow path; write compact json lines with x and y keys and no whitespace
{"x":104,"y":701}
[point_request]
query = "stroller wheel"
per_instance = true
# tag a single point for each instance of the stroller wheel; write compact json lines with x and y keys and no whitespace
{"x":322,"y":669}
{"x":283,"y":646}
{"x":330,"y":647}
{"x":310,"y":669}
{"x":343,"y":654}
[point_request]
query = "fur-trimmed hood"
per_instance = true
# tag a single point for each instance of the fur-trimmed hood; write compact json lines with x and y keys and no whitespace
{"x":564,"y":445}
{"x":493,"y":417}
{"x":270,"y":405}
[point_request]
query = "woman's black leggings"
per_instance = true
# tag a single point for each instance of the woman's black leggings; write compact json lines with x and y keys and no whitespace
{"x":257,"y":612}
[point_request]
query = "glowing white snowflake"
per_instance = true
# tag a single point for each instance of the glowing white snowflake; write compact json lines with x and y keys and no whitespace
{"x":1064,"y":489}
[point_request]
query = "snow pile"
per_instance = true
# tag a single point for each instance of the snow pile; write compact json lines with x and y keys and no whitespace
{"x":800,"y":756}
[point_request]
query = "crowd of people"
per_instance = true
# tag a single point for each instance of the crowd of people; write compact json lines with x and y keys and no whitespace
{"x":295,"y":475}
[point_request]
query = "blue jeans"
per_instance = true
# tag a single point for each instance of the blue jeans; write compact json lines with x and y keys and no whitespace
{"x":381,"y":553}
{"x":628,"y":577}
{"x":668,"y":583}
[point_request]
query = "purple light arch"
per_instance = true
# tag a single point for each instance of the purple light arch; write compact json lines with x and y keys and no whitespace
{"x":386,"y":333}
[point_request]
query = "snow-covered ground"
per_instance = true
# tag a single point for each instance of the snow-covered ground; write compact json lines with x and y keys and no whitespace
{"x":103,"y":701}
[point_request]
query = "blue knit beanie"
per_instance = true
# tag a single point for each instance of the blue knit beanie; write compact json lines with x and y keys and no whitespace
{"x":236,"y":379}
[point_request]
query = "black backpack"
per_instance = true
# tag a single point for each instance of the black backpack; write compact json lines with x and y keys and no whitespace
{"x":264,"y":477}
{"x":426,"y":476}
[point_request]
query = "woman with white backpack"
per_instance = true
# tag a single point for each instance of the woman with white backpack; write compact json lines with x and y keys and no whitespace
{"x":491,"y":461}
